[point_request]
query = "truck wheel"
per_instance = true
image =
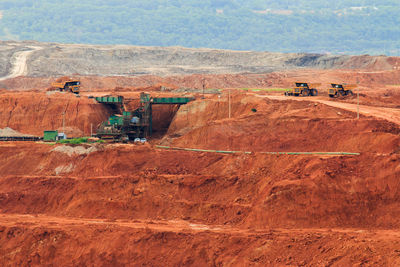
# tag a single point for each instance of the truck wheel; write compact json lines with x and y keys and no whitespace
{"x":314,"y":92}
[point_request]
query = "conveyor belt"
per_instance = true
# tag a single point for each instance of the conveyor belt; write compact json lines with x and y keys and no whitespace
{"x":20,"y":138}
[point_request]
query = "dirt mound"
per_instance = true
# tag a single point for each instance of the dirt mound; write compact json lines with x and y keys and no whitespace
{"x":44,"y":59}
{"x":388,"y":96}
{"x":278,"y":126}
{"x":10,"y":132}
{"x":121,"y":203}
{"x":255,"y":191}
{"x":32,"y":113}
{"x":49,"y":240}
{"x":373,"y":83}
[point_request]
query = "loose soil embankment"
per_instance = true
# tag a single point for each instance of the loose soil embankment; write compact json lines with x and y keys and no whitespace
{"x":376,"y":82}
{"x":210,"y":205}
{"x":43,"y":240}
{"x":117,"y":204}
{"x":32,"y":113}
{"x":267,"y":125}
{"x":255,"y":191}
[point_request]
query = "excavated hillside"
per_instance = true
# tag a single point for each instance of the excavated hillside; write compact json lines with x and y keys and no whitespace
{"x":238,"y":177}
{"x":52,"y":59}
{"x":261,"y":124}
{"x":114,"y":204}
{"x":100,"y":203}
{"x":32,"y":113}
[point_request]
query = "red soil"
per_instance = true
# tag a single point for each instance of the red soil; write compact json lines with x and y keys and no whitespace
{"x":278,"y":126}
{"x":210,"y":205}
{"x":373,"y":80}
{"x":46,"y":240}
{"x":125,"y":204}
{"x":32,"y":113}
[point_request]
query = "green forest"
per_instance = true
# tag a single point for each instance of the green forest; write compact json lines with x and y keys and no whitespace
{"x":314,"y":26}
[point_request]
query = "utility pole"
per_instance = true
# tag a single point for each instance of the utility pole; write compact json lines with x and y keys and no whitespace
{"x":229,"y":103}
{"x":358,"y":104}
{"x":204,"y":85}
{"x":63,"y":126}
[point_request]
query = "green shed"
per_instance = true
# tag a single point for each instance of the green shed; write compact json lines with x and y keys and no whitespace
{"x":50,"y":135}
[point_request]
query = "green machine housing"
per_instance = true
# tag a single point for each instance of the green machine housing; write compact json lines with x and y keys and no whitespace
{"x":128,"y":125}
{"x":50,"y":136}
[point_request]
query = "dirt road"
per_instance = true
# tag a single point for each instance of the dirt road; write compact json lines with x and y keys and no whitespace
{"x":42,"y":240}
{"x":390,"y":114}
{"x":12,"y":220}
{"x":20,"y":67}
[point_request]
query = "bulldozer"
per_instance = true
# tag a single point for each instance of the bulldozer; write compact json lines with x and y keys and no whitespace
{"x":72,"y":86}
{"x":341,"y":89}
{"x":303,"y":89}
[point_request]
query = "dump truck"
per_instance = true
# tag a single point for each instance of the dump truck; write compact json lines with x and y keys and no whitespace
{"x":72,"y":86}
{"x":341,"y":89}
{"x":303,"y":89}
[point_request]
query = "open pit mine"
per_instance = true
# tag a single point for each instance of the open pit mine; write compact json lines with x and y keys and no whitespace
{"x":140,"y":156}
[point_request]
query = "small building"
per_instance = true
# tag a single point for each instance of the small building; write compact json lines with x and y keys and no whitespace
{"x":50,"y":136}
{"x":61,"y":136}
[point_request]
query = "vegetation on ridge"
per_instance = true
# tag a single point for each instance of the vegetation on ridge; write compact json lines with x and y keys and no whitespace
{"x":342,"y":26}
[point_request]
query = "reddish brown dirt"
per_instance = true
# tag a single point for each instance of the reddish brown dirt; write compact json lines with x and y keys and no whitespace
{"x":35,"y":240}
{"x":221,"y":208}
{"x":256,"y":191}
{"x":125,"y":204}
{"x":278,"y":126}
{"x":32,"y":113}
{"x":374,"y":80}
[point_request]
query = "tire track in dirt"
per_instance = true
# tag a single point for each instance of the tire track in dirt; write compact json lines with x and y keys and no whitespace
{"x":178,"y":226}
{"x":20,"y":68}
{"x":389,"y":114}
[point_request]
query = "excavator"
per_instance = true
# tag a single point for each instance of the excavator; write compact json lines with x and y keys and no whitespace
{"x":341,"y":89}
{"x":303,"y":89}
{"x":72,"y":86}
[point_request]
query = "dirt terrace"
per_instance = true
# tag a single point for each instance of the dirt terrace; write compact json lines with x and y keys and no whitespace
{"x":119,"y":204}
{"x":378,"y":82}
{"x":175,"y":243}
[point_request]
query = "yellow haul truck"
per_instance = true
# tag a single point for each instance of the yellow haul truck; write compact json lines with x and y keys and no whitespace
{"x":72,"y":86}
{"x":341,"y":89}
{"x":303,"y":89}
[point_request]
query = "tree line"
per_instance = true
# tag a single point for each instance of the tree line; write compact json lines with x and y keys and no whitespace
{"x":341,"y":26}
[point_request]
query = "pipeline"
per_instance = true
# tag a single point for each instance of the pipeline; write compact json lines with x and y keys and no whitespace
{"x":269,"y":153}
{"x":20,"y":138}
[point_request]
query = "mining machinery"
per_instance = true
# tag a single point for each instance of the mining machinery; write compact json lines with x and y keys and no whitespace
{"x":303,"y":89}
{"x":127,"y":125}
{"x":337,"y":90}
{"x":72,"y":86}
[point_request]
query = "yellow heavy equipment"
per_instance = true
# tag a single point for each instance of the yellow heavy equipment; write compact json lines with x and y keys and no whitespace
{"x":72,"y":86}
{"x":341,"y":89}
{"x":303,"y":89}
